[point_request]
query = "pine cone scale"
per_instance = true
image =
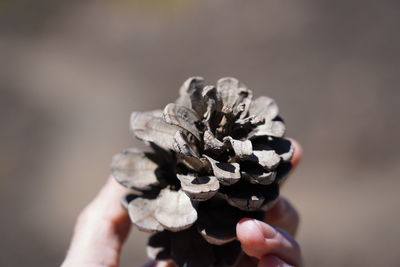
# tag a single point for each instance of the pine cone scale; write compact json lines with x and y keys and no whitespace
{"x":174,"y":210}
{"x":142,"y":214}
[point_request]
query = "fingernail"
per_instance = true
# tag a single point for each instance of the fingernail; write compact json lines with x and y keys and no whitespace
{"x":247,"y":226}
{"x":248,"y":223}
{"x":264,"y":229}
{"x":244,"y":220}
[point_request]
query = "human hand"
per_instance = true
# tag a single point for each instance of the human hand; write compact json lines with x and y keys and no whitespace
{"x":103,"y":226}
{"x":271,"y":243}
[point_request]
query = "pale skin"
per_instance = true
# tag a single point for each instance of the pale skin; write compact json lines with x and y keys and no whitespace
{"x":103,"y":226}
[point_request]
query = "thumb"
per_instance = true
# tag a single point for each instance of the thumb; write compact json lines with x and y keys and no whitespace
{"x":100,"y":230}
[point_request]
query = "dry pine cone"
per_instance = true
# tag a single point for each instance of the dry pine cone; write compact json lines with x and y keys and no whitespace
{"x":217,"y":156}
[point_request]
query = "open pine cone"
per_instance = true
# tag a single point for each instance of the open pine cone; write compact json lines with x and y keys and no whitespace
{"x":218,"y":156}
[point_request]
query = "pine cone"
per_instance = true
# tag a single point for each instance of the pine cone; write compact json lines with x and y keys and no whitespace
{"x":218,"y":156}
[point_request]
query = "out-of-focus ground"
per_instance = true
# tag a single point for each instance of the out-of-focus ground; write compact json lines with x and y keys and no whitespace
{"x":72,"y":72}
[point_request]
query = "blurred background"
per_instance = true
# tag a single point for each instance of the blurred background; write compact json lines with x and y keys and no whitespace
{"x":71,"y":72}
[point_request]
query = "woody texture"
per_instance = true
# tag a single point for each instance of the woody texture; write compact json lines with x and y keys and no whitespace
{"x":216,"y":155}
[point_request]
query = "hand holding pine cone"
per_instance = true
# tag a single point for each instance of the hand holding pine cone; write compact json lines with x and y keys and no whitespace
{"x":217,"y":156}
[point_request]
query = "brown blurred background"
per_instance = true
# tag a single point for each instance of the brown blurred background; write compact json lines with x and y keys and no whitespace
{"x":72,"y":72}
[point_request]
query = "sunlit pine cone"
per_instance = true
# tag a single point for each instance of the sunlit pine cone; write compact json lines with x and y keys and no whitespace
{"x":217,"y":156}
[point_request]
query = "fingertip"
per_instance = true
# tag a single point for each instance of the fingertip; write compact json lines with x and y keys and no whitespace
{"x":107,"y":202}
{"x":252,"y":234}
{"x":112,"y":189}
{"x":298,"y":152}
{"x":247,"y":231}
